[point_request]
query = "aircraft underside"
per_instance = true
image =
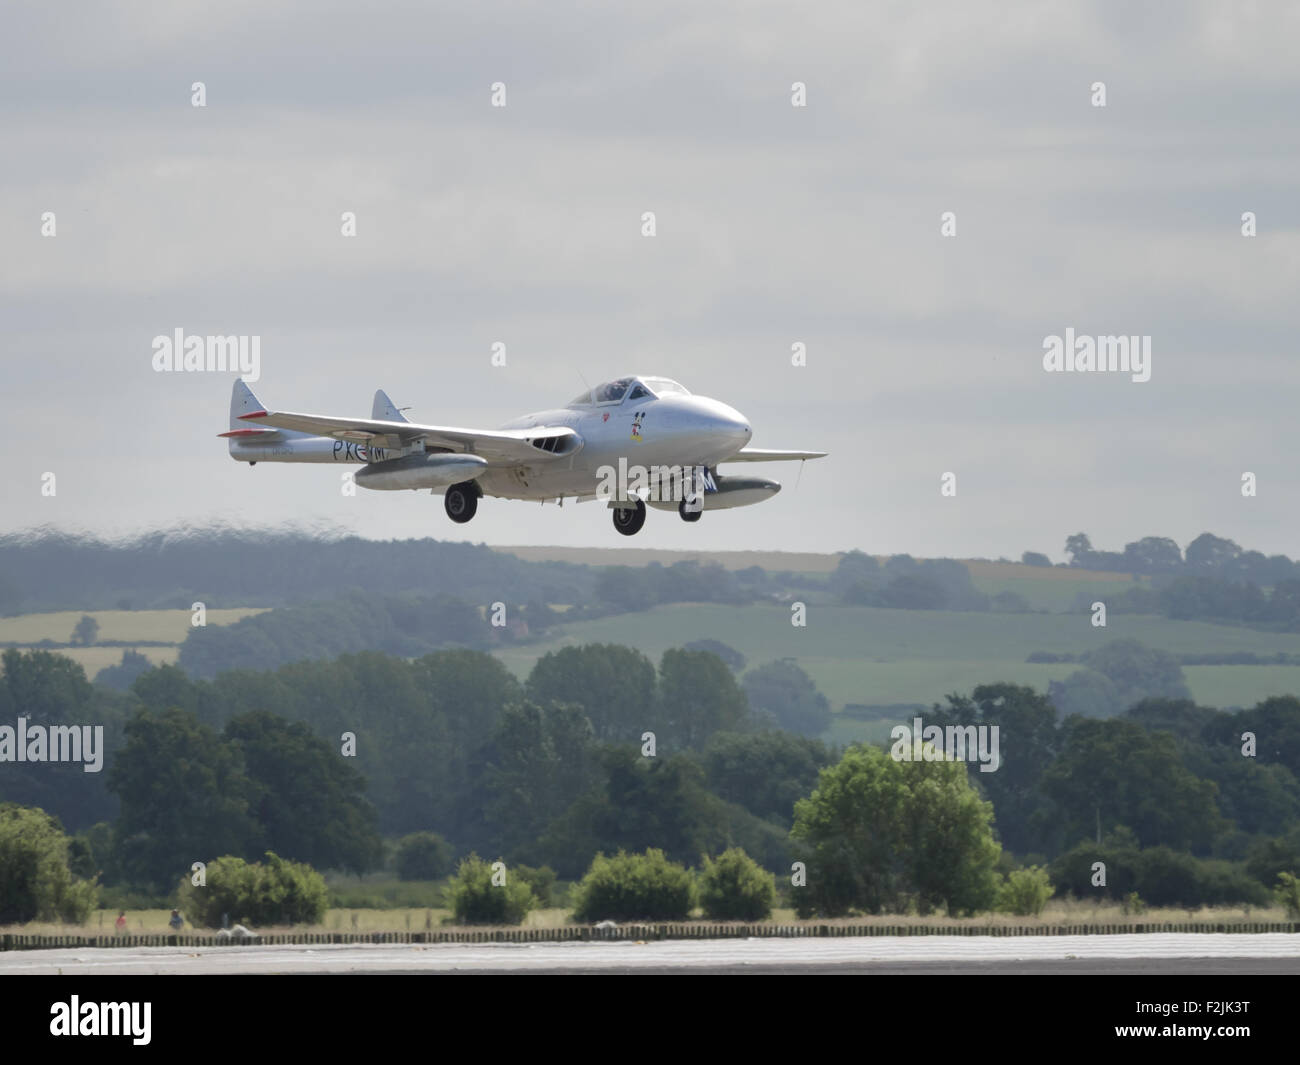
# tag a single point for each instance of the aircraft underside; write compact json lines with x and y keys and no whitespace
{"x":690,"y":497}
{"x":633,"y":444}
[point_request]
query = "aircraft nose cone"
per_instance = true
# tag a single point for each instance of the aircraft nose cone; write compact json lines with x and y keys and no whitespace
{"x":714,"y":429}
{"x":733,"y":425}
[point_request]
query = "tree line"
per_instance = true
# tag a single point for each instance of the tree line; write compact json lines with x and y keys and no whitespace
{"x":600,"y":750}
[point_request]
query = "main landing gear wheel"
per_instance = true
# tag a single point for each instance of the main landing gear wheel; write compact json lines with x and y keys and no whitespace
{"x":629,"y":521}
{"x":687,"y":513}
{"x":461,"y":501}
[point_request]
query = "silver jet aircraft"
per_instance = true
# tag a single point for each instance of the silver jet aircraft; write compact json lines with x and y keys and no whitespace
{"x":634,"y":441}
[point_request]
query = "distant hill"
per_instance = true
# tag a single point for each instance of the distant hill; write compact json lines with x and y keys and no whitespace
{"x":47,"y":570}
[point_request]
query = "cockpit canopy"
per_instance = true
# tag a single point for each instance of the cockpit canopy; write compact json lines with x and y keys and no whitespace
{"x":633,"y":388}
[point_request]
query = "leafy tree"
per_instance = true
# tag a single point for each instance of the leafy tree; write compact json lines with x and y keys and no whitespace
{"x":272,"y":892}
{"x":630,"y":887}
{"x":1211,"y":554}
{"x":1027,"y":743}
{"x":1035,"y":558}
{"x":783,"y":690}
{"x":181,"y":787}
{"x":1085,"y":693}
{"x":475,"y":899}
{"x":541,"y":760}
{"x":858,"y":576}
{"x":698,"y":696}
{"x":1079,"y":548}
{"x":540,"y":616}
{"x":1138,"y":671}
{"x":900,"y":566}
{"x":734,"y":659}
{"x":47,"y":687}
{"x":91,"y":855}
{"x":1113,"y":772}
{"x":1153,"y":554}
{"x":1209,"y":598}
{"x":1181,"y":717}
{"x":35,"y":881}
{"x":1258,"y":794}
{"x":765,"y":772}
{"x":1275,"y":722}
{"x":125,"y":673}
{"x":1267,"y":857}
{"x":1116,"y":676}
{"x":614,"y":686}
{"x":166,"y":686}
{"x":86,"y":631}
{"x":736,"y":888}
{"x":50,"y":689}
{"x":640,"y":802}
{"x":877,"y":831}
{"x":1284,"y":604}
{"x":309,"y":802}
{"x":422,"y":856}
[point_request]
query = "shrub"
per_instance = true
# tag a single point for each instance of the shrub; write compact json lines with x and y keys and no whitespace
{"x":1160,"y":875}
{"x":270,"y":893}
{"x":475,"y":899}
{"x":1025,"y":892}
{"x":541,"y":881}
{"x":1287,"y":894}
{"x":736,"y":888}
{"x":35,"y":881}
{"x":630,"y":887}
{"x":422,"y":856}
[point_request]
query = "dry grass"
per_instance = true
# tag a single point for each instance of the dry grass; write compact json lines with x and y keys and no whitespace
{"x":419,"y":919}
{"x":161,"y":626}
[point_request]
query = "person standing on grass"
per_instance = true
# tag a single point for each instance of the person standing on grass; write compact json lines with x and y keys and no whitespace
{"x":177,"y":922}
{"x":120,"y":923}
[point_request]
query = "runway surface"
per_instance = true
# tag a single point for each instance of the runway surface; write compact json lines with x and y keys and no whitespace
{"x":1153,"y":954}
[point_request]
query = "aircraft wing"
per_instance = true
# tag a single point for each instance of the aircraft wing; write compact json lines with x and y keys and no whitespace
{"x":759,"y":454}
{"x":504,"y":447}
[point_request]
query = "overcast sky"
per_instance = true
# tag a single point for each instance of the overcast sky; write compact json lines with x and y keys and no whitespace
{"x":776,"y":225}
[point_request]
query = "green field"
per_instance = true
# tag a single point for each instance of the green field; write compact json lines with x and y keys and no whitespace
{"x":873,"y":656}
{"x":1047,"y":589}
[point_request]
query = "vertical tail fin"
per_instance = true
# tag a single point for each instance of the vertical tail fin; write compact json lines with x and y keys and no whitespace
{"x":242,"y":402}
{"x":384,"y":411}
